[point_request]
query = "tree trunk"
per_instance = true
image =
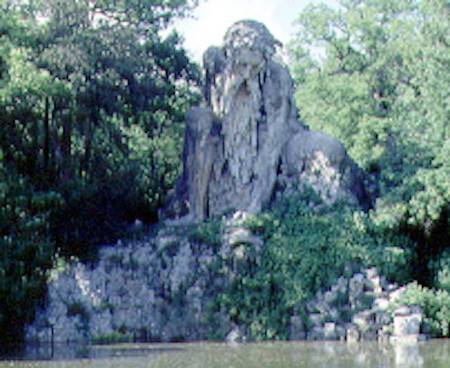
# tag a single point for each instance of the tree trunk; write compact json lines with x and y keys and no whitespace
{"x":47,"y":136}
{"x":66,"y":147}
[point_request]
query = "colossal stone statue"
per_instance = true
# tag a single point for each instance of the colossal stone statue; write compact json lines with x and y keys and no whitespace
{"x":247,"y":143}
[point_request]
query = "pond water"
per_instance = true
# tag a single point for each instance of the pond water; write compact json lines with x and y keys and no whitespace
{"x":431,"y":354}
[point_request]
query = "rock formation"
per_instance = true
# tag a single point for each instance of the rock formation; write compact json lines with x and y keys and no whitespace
{"x":247,"y":143}
{"x":156,"y":289}
{"x":152,"y":290}
{"x":361,"y":306}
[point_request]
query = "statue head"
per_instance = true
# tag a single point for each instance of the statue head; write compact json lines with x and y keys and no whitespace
{"x":250,"y":36}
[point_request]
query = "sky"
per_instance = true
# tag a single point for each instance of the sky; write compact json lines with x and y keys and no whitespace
{"x":212,"y":18}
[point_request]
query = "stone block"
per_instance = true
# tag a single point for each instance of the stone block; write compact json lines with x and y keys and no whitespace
{"x":384,"y":334}
{"x":322,"y":307}
{"x":235,"y":336}
{"x":382,"y":318}
{"x":371,"y":273}
{"x":407,"y":324}
{"x":403,"y":310}
{"x":239,"y":235}
{"x":374,"y":284}
{"x":333,"y":315}
{"x":355,"y":289}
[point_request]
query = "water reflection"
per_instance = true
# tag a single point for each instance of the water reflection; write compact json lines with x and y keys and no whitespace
{"x":75,"y":352}
{"x":433,"y":354}
{"x":407,"y":356}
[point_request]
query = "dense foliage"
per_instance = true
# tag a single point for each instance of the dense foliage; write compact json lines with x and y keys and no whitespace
{"x":375,"y":75}
{"x":92,"y":100}
{"x":435,"y":305}
{"x":25,"y":250}
{"x":307,"y":246}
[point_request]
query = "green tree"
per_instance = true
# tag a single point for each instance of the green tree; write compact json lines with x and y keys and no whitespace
{"x":103,"y":125}
{"x":375,"y":75}
{"x":26,"y":250}
{"x":92,"y":104}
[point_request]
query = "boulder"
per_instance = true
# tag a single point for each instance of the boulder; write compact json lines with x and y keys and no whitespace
{"x":356,"y":287}
{"x":407,"y":321}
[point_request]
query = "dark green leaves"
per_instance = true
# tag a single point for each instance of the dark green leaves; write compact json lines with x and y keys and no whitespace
{"x":374,"y":74}
{"x":92,"y":104}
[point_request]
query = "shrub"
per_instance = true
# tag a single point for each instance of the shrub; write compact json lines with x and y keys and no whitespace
{"x":435,"y":306}
{"x":307,"y":245}
{"x":208,"y":232}
{"x":112,"y":338}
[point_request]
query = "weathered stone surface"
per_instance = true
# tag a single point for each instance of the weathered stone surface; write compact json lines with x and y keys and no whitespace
{"x":315,"y":160}
{"x":407,"y":323}
{"x":363,"y":320}
{"x":352,"y":334}
{"x":381,"y":304}
{"x":396,"y":294}
{"x":374,"y":281}
{"x":341,"y":332}
{"x":403,"y":310}
{"x":154,"y":290}
{"x":201,"y":147}
{"x":162,"y":290}
{"x":297,"y":330}
{"x":329,"y":331}
{"x":358,"y":307}
{"x":330,"y":297}
{"x":235,"y":336}
{"x":355,"y":290}
{"x":248,"y":142}
{"x":341,"y":286}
